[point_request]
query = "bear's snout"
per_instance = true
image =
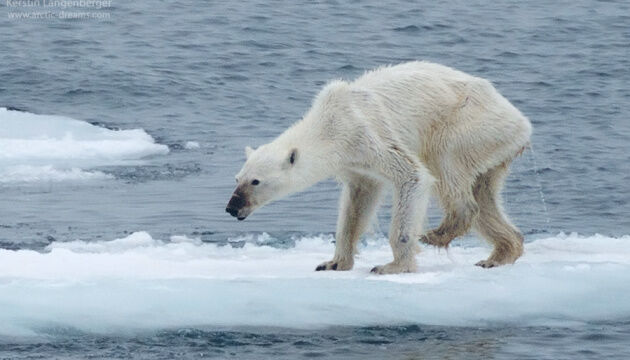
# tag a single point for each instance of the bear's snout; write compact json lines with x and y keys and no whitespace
{"x":232,"y":211}
{"x":237,"y":202}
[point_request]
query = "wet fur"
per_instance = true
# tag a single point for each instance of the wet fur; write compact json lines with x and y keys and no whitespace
{"x":425,"y":128}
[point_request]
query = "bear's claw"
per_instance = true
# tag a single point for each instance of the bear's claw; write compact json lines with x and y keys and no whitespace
{"x":487,"y":264}
{"x":333,"y":265}
{"x":394,"y":268}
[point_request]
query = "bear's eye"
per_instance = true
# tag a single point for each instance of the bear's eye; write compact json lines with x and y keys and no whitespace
{"x":255,"y":182}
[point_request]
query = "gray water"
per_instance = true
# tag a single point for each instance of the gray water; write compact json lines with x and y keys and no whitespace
{"x":229,"y":74}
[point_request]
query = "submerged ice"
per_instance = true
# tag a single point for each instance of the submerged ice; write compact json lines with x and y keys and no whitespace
{"x":55,"y":148}
{"x":139,"y":282}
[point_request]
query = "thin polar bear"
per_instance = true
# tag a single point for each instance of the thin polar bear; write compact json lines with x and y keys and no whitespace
{"x":423,"y":127}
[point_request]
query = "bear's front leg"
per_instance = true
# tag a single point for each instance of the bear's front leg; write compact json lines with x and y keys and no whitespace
{"x":405,"y":249}
{"x":411,"y":199}
{"x":358,"y":203}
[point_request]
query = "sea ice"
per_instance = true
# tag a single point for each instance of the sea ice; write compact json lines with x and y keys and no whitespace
{"x":139,"y":282}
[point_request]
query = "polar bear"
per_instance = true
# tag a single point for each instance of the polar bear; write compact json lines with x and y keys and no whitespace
{"x":423,"y":127}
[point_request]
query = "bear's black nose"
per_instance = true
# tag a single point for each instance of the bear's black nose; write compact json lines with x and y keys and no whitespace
{"x":232,"y":211}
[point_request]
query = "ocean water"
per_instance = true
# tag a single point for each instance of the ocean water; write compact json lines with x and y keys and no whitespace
{"x":120,"y":137}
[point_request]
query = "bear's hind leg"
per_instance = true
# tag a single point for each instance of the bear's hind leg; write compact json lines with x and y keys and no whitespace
{"x":492,"y":223}
{"x":358,"y":204}
{"x":460,"y":208}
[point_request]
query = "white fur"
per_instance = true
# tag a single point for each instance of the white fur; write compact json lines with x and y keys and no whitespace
{"x":422,"y":127}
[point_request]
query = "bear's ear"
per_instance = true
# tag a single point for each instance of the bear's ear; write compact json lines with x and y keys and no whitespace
{"x":248,"y":151}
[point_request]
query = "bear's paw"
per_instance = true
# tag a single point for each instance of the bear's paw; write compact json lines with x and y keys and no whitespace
{"x":394,"y":268}
{"x":338,"y":265}
{"x":436,"y":238}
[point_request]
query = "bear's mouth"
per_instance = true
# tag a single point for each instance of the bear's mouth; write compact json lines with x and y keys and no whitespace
{"x":241,"y":218}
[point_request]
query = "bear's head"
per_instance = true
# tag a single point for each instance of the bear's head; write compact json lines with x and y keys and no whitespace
{"x":269,"y":173}
{"x":307,"y":152}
